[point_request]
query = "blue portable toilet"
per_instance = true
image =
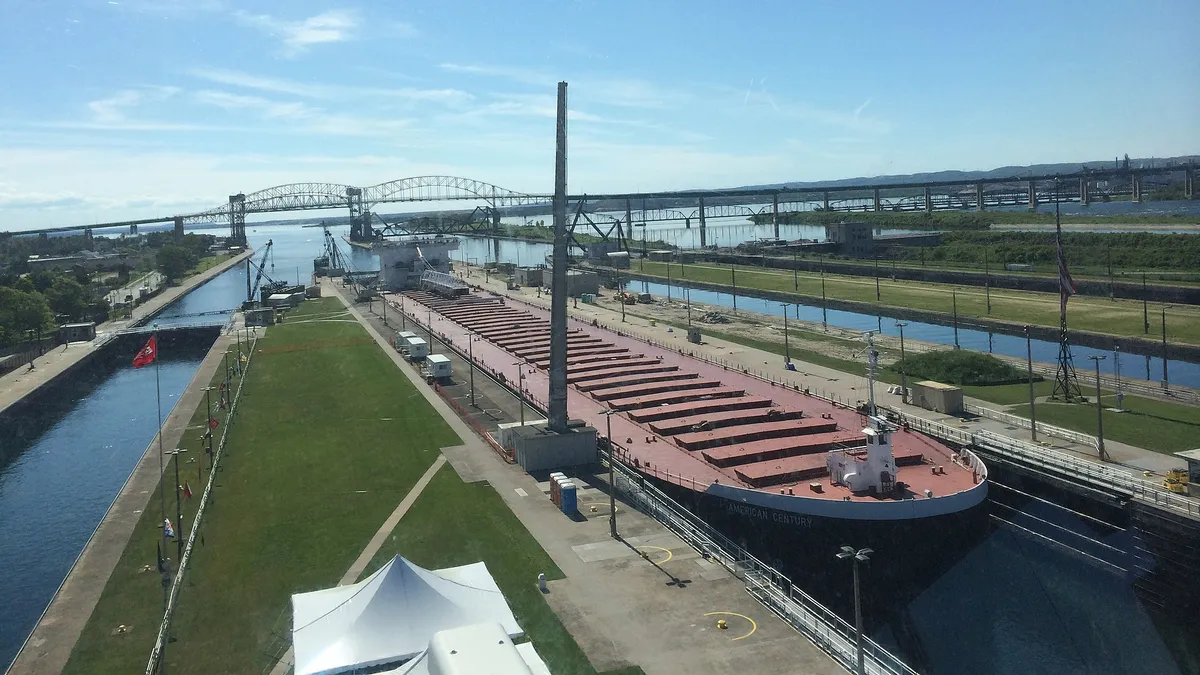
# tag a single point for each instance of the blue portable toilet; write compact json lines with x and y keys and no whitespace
{"x":568,"y":500}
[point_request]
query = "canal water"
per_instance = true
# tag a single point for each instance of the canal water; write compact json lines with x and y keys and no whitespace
{"x":55,"y":486}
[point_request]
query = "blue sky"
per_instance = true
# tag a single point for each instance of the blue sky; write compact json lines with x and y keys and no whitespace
{"x":113,"y":109}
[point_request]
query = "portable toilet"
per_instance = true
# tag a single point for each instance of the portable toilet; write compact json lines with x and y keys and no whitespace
{"x":554,"y":483}
{"x":562,"y":483}
{"x":418,"y":349}
{"x":439,"y":366}
{"x":568,"y":499}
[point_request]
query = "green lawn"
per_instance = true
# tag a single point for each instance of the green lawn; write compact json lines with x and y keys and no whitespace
{"x":1100,"y":315}
{"x":481,"y":527}
{"x":329,"y":438}
{"x":206,"y":263}
{"x":1154,"y":425}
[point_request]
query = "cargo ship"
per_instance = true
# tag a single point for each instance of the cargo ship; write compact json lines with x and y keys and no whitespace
{"x":788,"y":474}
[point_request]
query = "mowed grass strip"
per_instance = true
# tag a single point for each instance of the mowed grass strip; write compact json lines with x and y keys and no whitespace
{"x":1154,"y":425}
{"x":327,"y":442}
{"x":1099,"y":315}
{"x":454,"y":523}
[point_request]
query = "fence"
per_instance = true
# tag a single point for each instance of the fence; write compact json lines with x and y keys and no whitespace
{"x":464,"y":415}
{"x":152,"y":666}
{"x":819,"y":624}
{"x":1024,"y":423}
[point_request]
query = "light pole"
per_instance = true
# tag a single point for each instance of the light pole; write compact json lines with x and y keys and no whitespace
{"x":178,"y":508}
{"x":787,"y":350}
{"x":385,"y":304}
{"x":1029,"y":365}
{"x":862,"y":555}
{"x":876,"y":278}
{"x":824,"y":310}
{"x":903,"y":378}
{"x":208,"y":430}
{"x":612,"y":477}
{"x":1166,"y":380}
{"x":471,"y":364}
{"x":521,"y":388}
{"x":954,"y":302}
{"x":429,"y":325}
{"x":733,"y":280}
{"x":1099,"y":412}
{"x":1145,"y":308}
{"x":1117,"y":369}
{"x":687,"y":291}
{"x":403,"y":320}
{"x":795,"y":272}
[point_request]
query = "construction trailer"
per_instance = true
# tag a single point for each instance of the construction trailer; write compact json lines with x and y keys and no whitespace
{"x":943,"y":398}
{"x":437,"y":368}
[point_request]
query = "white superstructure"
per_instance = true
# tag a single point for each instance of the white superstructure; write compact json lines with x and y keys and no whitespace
{"x":403,"y":261}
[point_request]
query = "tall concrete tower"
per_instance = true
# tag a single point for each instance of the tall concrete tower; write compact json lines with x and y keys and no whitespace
{"x":558,"y":279}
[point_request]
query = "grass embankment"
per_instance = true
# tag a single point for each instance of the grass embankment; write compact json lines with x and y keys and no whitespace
{"x":455,"y":523}
{"x":206,"y":263}
{"x":1154,"y":425}
{"x":1099,"y":315}
{"x":329,"y":439}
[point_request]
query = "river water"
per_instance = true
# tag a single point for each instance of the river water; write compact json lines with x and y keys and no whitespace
{"x":1012,"y":605}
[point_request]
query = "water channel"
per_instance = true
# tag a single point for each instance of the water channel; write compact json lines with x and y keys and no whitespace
{"x":1012,"y":605}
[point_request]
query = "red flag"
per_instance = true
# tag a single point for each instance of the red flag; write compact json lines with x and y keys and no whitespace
{"x":148,"y":353}
{"x":187,"y":490}
{"x":213,"y":423}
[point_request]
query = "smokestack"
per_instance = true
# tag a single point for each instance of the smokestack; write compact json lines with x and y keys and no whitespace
{"x":558,"y":283}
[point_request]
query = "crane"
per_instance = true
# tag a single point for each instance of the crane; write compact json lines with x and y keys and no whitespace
{"x":252,"y":287}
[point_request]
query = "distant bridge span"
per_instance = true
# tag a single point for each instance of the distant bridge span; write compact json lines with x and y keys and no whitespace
{"x":686,"y":205}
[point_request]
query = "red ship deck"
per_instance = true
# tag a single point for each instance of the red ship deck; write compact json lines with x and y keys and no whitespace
{"x":685,"y":417}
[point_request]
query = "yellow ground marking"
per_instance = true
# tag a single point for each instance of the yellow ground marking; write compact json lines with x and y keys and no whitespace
{"x":658,"y":548}
{"x":753,"y":624}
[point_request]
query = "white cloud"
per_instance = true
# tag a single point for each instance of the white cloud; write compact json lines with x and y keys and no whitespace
{"x":114,"y":108}
{"x":297,"y":36}
{"x":327,"y":91}
{"x":298,"y":117}
{"x":523,"y":75}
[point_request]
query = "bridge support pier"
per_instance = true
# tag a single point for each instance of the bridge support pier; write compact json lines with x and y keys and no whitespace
{"x":178,"y":228}
{"x":979,"y":196}
{"x":1135,"y":194}
{"x":1033,"y":202}
{"x":703,"y":226}
{"x":133,"y":230}
{"x":628,"y":224}
{"x":775,"y":214}
{"x":827,"y":200}
{"x":87,"y":238}
{"x":1084,"y":197}
{"x":877,"y":209}
{"x":237,"y":218}
{"x":928,"y":200}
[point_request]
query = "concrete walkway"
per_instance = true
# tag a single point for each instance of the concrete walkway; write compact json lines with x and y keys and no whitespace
{"x":49,"y":646}
{"x":846,"y":386}
{"x":21,"y":382}
{"x":659,"y":613}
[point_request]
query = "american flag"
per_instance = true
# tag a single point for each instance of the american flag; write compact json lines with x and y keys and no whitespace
{"x":1066,"y":285}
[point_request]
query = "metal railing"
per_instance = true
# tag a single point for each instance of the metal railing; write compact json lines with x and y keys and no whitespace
{"x":1024,"y":423}
{"x":152,"y":666}
{"x":822,"y":626}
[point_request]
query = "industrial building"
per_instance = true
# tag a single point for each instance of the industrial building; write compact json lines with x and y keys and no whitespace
{"x":402,"y":262}
{"x":579,"y":282}
{"x":852,"y":239}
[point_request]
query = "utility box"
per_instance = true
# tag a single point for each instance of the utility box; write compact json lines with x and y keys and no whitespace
{"x":260,"y":317}
{"x":437,"y":366}
{"x":694,"y":336}
{"x":417,"y":348}
{"x":77,"y":332}
{"x":943,"y":398}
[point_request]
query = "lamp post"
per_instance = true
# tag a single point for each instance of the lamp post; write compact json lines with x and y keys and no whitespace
{"x":521,"y":388}
{"x":877,"y":279}
{"x":1029,"y":366}
{"x":787,"y":351}
{"x":1099,"y":412}
{"x":403,"y":319}
{"x":429,"y":325}
{"x":733,"y":280}
{"x":1145,"y":308}
{"x":862,"y":555}
{"x":687,"y":291}
{"x":208,"y":430}
{"x":1117,"y":370}
{"x":471,"y":364}
{"x":178,"y":507}
{"x":1166,"y":380}
{"x":612,"y":477}
{"x":903,"y":379}
{"x":954,"y":304}
{"x":824,"y":310}
{"x":385,"y":304}
{"x":795,"y":272}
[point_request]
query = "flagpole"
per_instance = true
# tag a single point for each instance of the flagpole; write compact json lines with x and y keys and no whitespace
{"x":162,"y":499}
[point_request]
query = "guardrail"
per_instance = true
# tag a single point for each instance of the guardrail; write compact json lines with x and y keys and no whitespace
{"x":834,"y":635}
{"x":1024,"y":423}
{"x":152,"y":666}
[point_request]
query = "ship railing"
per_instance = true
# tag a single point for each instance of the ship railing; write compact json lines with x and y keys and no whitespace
{"x":774,"y":590}
{"x":1025,"y":423}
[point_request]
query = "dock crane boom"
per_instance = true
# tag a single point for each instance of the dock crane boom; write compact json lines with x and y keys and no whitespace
{"x":252,"y":288}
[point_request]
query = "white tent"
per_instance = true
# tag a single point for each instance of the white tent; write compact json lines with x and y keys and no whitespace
{"x":391,"y":615}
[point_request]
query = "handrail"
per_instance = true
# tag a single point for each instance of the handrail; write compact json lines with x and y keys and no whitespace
{"x":152,"y":666}
{"x":1024,"y":423}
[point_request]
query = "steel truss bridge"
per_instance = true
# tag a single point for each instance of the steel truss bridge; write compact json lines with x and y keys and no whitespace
{"x":614,"y":216}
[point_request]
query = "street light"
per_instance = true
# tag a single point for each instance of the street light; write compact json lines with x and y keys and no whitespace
{"x":612,"y":477}
{"x":208,"y":430}
{"x":954,"y":302}
{"x":1099,"y":411}
{"x":178,"y":506}
{"x":1117,"y":369}
{"x":1029,"y":362}
{"x":862,"y":555}
{"x":824,"y":309}
{"x":903,"y":378}
{"x":1166,"y":380}
{"x":471,"y":364}
{"x":687,"y":290}
{"x":521,"y":388}
{"x":787,"y":350}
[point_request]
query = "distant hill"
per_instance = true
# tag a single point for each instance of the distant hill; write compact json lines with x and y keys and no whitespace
{"x":1000,"y":172}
